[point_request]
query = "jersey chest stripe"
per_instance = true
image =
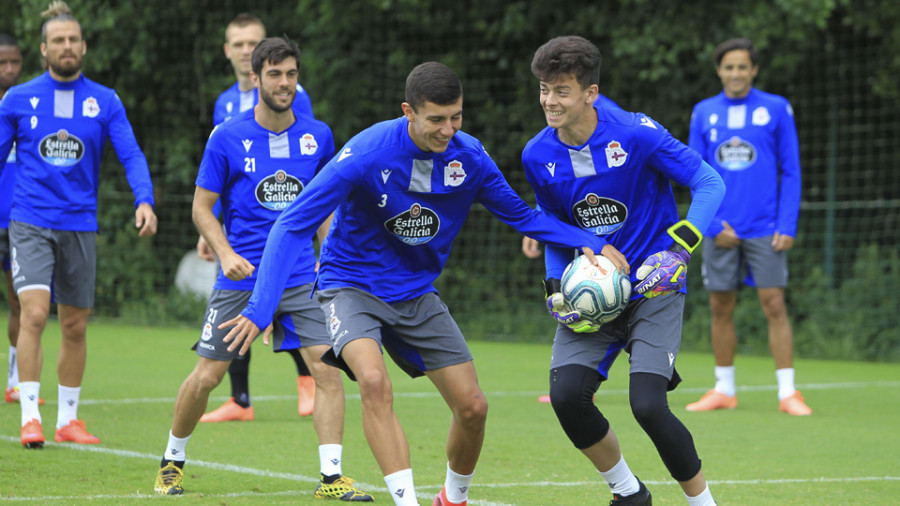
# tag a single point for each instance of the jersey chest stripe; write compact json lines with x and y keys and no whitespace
{"x":63,"y":103}
{"x":420,"y":177}
{"x":279,"y":146}
{"x":582,"y":162}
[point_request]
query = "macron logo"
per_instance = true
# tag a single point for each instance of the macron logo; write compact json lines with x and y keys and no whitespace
{"x":247,"y":143}
{"x":34,"y":102}
{"x":399,"y":493}
{"x":345,"y":154}
{"x":671,"y":359}
{"x":552,"y":168}
{"x":385,"y":174}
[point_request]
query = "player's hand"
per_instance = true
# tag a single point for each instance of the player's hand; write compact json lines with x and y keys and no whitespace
{"x":727,"y":238}
{"x":243,"y":334}
{"x":236,"y":267}
{"x":204,"y":250}
{"x":781,"y":242}
{"x":530,"y":247}
{"x":617,"y":258}
{"x":663,"y":272}
{"x":145,"y":220}
{"x":562,"y":313}
{"x":666,"y":271}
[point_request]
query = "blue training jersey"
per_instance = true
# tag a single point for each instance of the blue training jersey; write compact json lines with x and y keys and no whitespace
{"x":234,"y":101}
{"x":60,"y":131}
{"x":7,"y":183}
{"x":398,"y":211}
{"x":257,"y":174}
{"x":616,"y":185}
{"x":752,"y":143}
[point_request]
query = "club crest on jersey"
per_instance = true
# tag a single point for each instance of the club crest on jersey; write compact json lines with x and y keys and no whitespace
{"x":90,"y":108}
{"x":278,"y":190}
{"x":308,"y":144}
{"x":599,"y":215}
{"x":760,"y":116}
{"x":207,"y":332}
{"x":415,"y":226}
{"x":61,"y":149}
{"x":454,"y":175}
{"x":735,"y":154}
{"x":615,"y":155}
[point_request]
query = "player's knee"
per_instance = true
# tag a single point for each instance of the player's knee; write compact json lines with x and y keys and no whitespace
{"x":472,"y":414}
{"x":571,"y":395}
{"x":374,"y":387}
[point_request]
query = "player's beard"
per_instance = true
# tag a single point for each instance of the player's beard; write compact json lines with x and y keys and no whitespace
{"x":69,"y":69}
{"x":267,"y":97}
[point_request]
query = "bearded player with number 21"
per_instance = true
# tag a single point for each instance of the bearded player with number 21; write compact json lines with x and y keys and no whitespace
{"x":608,"y":171}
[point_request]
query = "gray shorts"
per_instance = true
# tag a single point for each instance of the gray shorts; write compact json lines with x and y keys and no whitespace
{"x":754,"y":260}
{"x":64,"y":258}
{"x":418,"y":334}
{"x":4,"y":248}
{"x":298,"y":322}
{"x":649,"y":330}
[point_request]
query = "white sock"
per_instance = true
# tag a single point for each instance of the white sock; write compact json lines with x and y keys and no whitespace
{"x":68,"y":405}
{"x":785,"y":379}
{"x":175,"y":449}
{"x":620,"y":479}
{"x":330,"y":459}
{"x":400,"y":485}
{"x":12,"y":380}
{"x":704,"y":499}
{"x":725,"y":380}
{"x":29,"y":393}
{"x":457,"y":486}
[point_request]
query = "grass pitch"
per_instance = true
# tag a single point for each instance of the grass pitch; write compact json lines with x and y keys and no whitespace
{"x":845,"y":453}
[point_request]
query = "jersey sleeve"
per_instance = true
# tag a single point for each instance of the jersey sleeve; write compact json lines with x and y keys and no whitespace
{"x":788,"y":152}
{"x":129,"y":153}
{"x":291,"y":231}
{"x":504,"y":203}
{"x":7,"y":131}
{"x":213,"y":171}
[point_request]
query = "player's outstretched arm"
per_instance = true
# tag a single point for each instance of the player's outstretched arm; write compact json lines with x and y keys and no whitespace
{"x":145,"y":220}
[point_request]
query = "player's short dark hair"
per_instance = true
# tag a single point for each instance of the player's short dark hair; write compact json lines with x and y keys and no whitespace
{"x":733,"y":44}
{"x":273,"y":50}
{"x":244,"y":19}
{"x":567,"y":55}
{"x":56,"y":11}
{"x":8,"y":40}
{"x":432,"y":82}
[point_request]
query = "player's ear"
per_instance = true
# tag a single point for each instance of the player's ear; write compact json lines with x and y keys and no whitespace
{"x":83,"y":47}
{"x":592,"y":92}
{"x":254,"y":79}
{"x":407,"y":110}
{"x":44,"y":49}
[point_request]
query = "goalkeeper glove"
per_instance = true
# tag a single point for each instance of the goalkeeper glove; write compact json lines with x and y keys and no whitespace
{"x":561,"y":311}
{"x":666,"y":271}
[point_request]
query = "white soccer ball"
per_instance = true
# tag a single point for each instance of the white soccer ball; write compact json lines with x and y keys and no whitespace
{"x":599,"y":292}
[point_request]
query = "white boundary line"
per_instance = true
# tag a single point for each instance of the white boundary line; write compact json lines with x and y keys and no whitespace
{"x":421,"y":490}
{"x":601,"y":392}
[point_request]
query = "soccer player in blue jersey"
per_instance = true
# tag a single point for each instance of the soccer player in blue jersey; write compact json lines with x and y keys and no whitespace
{"x":749,"y":137}
{"x":60,"y":122}
{"x":255,"y":164}
{"x":402,"y":189}
{"x":607,"y":171}
{"x":242,"y":35}
{"x":10,"y":68}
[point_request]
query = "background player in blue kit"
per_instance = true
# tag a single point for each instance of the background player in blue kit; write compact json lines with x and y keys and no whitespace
{"x":402,"y":189}
{"x":256,"y":163}
{"x":60,"y":122}
{"x":242,"y":35}
{"x":608,"y":171}
{"x":10,"y":68}
{"x":749,"y":137}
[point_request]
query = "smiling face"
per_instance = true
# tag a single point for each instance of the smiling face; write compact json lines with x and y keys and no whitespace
{"x":278,"y":84}
{"x":432,"y":126}
{"x":736,"y":70}
{"x":64,"y":49}
{"x":569,"y":108}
